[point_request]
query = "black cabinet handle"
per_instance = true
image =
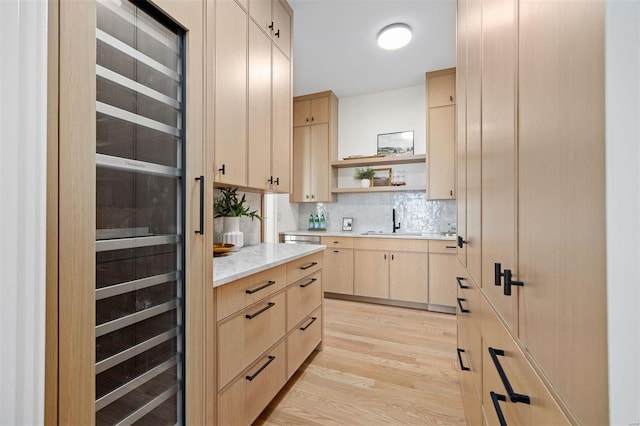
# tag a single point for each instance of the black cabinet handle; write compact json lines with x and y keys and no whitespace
{"x":463,"y":310}
{"x":460,"y":279}
{"x":393,"y":257}
{"x":201,"y":229}
{"x":252,"y":316}
{"x":278,"y":33}
{"x":312,"y":118}
{"x":270,"y":180}
{"x":277,"y":181}
{"x":271,"y":26}
{"x":385,"y":256}
{"x":269,"y":283}
{"x":451,"y":192}
{"x":451,"y":247}
{"x":514,"y":397}
{"x":336,"y":251}
{"x":313,"y":280}
{"x":254,"y":375}
{"x":222,"y":169}
{"x":461,"y":241}
{"x":309,"y":265}
{"x":451,"y":98}
{"x":313,"y":319}
{"x":496,"y":404}
{"x":306,"y":119}
{"x":462,"y":367}
{"x":508,"y":282}
{"x":497,"y":274}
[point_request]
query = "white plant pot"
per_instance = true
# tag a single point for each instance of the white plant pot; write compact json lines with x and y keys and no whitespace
{"x":231,"y":232}
{"x":365,"y":183}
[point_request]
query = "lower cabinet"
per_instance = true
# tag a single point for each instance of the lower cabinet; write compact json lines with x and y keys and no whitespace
{"x":371,"y":273}
{"x":409,"y":276}
{"x":268,"y":324}
{"x":442,"y":267}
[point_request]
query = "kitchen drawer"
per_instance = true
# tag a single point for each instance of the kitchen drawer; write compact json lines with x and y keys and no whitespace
{"x":303,"y":339}
{"x":470,"y":396}
{"x":243,"y":401}
{"x":337,"y":242}
{"x":300,"y":268}
{"x":244,"y":336}
{"x":239,"y":294}
{"x":302,"y":298}
{"x":542,"y":408}
{"x":440,"y":246}
{"x":391,"y":244}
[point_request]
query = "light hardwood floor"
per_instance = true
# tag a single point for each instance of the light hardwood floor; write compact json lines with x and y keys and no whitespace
{"x":380,"y":365}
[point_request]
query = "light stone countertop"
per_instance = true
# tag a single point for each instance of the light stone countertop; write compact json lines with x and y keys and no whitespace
{"x":253,"y":259}
{"x":425,"y":236}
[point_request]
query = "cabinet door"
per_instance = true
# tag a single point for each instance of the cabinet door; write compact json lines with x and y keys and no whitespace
{"x":319,"y":163}
{"x":442,"y":283}
{"x":260,"y":12}
{"x":461,"y":128}
{"x":319,"y":110}
{"x":337,"y":272}
{"x":473,"y":236}
{"x":259,"y":152}
{"x":563,"y":317}
{"x":301,"y":165}
{"x":442,"y":90}
{"x":409,"y":277}
{"x":281,"y":27}
{"x":441,"y":153}
{"x":301,"y":113}
{"x":371,"y":273}
{"x":231,"y":94}
{"x":281,"y":116}
{"x":499,"y":162}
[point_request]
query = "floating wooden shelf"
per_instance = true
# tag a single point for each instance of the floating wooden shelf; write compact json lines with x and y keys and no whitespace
{"x":379,"y":189}
{"x":374,"y":161}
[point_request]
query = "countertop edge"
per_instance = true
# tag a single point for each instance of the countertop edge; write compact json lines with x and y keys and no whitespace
{"x":308,"y":250}
{"x":424,"y":236}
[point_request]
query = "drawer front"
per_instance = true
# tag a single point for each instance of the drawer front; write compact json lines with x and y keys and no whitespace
{"x":392,"y":244}
{"x":303,"y":339}
{"x":243,"y":401}
{"x":439,"y":246}
{"x":300,"y":268}
{"x":337,"y":242}
{"x":542,"y":408}
{"x":302,"y":298}
{"x":244,"y":336}
{"x":470,"y":398}
{"x":239,"y":294}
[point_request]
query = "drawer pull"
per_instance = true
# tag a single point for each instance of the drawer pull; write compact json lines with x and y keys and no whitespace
{"x":460,"y":279}
{"x":313,"y":319}
{"x":310,"y":265}
{"x":497,"y":274}
{"x":461,"y":241}
{"x":508,"y":282}
{"x":336,"y":251}
{"x":514,"y":397}
{"x":462,"y":367}
{"x":496,"y":398}
{"x":313,"y":280}
{"x":269,"y":305}
{"x":269,"y":283}
{"x":451,"y":247}
{"x":336,"y":242}
{"x":254,"y":375}
{"x":463,"y":310}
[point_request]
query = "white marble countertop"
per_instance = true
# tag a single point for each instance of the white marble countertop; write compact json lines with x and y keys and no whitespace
{"x":425,"y":236}
{"x":253,"y":259}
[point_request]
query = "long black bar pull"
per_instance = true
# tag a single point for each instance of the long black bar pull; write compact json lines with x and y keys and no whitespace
{"x":495,"y":398}
{"x":201,"y":229}
{"x":514,"y":397}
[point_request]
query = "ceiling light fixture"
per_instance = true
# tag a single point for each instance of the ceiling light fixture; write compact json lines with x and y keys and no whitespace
{"x":394,"y":36}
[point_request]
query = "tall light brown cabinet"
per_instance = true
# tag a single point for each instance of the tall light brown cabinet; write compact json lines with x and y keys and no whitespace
{"x":531,"y":201}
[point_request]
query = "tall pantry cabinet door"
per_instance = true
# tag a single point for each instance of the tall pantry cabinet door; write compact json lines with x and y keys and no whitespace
{"x":474,"y":143}
{"x":281,"y":113}
{"x":499,"y":162}
{"x":230,"y":94}
{"x":259,"y":152}
{"x":301,"y":164}
{"x":563,"y":318}
{"x":461,"y":129}
{"x":441,"y":140}
{"x":319,"y":161}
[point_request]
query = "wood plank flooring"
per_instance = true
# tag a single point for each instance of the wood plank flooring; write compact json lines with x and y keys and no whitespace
{"x":380,"y":365}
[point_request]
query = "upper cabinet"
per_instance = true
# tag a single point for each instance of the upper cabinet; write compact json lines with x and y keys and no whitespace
{"x":315,"y":145}
{"x":441,"y":118}
{"x":252,"y":98}
{"x":274,"y":18}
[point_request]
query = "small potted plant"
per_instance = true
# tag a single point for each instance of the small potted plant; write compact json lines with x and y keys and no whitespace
{"x":230,"y":207}
{"x":365,"y":175}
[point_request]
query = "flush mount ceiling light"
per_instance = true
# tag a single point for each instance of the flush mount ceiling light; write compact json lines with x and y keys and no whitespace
{"x":394,"y":36}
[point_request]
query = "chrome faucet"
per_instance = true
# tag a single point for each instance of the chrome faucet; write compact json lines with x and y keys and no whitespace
{"x":394,"y":222}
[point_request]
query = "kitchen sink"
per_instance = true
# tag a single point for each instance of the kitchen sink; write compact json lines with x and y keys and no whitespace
{"x":399,"y":234}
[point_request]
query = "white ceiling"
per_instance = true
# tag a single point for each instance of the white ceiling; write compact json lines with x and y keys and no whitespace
{"x":335,"y":44}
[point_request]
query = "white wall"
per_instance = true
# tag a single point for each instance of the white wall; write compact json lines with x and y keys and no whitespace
{"x":623,"y":208}
{"x":23,"y":43}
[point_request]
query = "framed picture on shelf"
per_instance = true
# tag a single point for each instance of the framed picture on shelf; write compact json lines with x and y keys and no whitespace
{"x":398,"y":143}
{"x":382,"y":177}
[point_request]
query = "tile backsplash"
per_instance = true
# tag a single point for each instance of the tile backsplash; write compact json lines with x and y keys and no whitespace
{"x":373,"y":212}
